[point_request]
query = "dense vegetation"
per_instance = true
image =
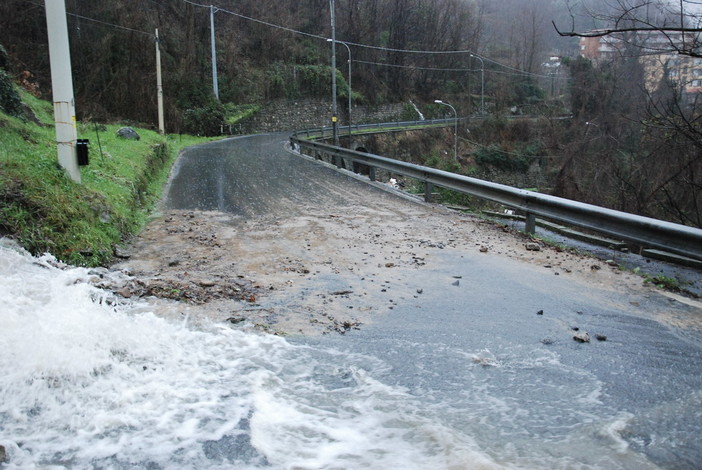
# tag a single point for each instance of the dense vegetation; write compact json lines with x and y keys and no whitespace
{"x":114,"y":57}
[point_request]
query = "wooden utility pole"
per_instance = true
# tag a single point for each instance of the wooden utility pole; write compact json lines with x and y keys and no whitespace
{"x":62,"y":87}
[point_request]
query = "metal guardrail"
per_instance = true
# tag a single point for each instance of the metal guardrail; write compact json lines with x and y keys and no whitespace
{"x":361,"y":129}
{"x":644,"y":231}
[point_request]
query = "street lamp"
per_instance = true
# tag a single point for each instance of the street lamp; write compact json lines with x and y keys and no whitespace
{"x":482,"y":84}
{"x":455,"y":128}
{"x":349,"y":84}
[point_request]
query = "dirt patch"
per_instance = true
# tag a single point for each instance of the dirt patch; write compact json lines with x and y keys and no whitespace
{"x":321,"y":270}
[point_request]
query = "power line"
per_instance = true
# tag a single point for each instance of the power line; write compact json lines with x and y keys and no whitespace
{"x":104,"y":23}
{"x":382,"y":64}
{"x":256,"y":20}
{"x":516,"y":71}
{"x":437,"y":69}
{"x":116,"y":26}
{"x":317,"y":36}
{"x":380,"y":48}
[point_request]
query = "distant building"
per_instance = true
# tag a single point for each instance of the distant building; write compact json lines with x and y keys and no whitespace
{"x":653,"y":49}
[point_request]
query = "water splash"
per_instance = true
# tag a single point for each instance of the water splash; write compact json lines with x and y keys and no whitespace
{"x":90,"y":383}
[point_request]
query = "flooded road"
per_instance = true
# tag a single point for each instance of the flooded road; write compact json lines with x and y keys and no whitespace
{"x":457,"y":351}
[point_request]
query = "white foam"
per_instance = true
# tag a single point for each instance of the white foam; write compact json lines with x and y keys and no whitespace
{"x":87,"y":385}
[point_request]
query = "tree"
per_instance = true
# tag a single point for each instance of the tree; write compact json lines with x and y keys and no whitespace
{"x":629,"y":147}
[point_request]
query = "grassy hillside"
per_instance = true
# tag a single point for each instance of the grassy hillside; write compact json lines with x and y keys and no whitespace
{"x":45,"y":211}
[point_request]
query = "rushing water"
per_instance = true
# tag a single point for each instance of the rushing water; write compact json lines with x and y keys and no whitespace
{"x":88,"y":382}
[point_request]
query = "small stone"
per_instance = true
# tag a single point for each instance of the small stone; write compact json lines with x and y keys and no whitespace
{"x":121,"y":252}
{"x":601,"y":337}
{"x":533,"y":247}
{"x":419,"y":291}
{"x":547,"y":341}
{"x":235,"y":320}
{"x":342,"y":292}
{"x":3,"y":454}
{"x":174,"y":262}
{"x":455,"y":283}
{"x":582,"y":337}
{"x":207,"y":283}
{"x":595,"y":267}
{"x":389,"y":265}
{"x":483,"y":249}
{"x":611,"y":262}
{"x":124,"y":292}
{"x":540,"y":312}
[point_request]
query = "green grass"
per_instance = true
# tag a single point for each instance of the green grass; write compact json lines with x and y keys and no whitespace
{"x":80,"y":224}
{"x":663,"y":282}
{"x":236,"y":113}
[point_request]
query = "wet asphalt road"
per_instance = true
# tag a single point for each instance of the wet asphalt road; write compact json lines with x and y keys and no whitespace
{"x":645,"y":379}
{"x":254,"y":175}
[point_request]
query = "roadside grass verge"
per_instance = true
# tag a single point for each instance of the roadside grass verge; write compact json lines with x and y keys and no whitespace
{"x":80,"y":224}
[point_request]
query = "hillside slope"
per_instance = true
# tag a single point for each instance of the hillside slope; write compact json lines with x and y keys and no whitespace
{"x":81,"y":224}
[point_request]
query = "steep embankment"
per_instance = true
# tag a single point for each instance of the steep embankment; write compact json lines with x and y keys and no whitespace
{"x":84,"y":223}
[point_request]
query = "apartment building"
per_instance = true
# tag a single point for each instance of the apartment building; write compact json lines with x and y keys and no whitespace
{"x":653,"y":50}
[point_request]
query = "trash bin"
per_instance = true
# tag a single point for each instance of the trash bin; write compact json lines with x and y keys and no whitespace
{"x":82,"y":151}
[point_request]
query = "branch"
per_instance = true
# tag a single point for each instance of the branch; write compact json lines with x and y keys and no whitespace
{"x":684,"y":49}
{"x":606,"y":32}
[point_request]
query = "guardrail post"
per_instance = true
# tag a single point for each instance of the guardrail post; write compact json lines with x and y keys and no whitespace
{"x":428,"y":189}
{"x":371,"y":173}
{"x":530,"y":223}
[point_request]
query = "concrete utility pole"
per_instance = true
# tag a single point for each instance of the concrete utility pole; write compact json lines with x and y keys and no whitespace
{"x":159,"y":86}
{"x":335,"y":119}
{"x":215,"y":81}
{"x":62,"y":87}
{"x":349,"y":85}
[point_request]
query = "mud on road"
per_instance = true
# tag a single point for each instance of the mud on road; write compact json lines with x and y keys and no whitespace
{"x":322,"y":269}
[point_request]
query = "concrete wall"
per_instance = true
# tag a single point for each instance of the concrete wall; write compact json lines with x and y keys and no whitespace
{"x":287,"y":115}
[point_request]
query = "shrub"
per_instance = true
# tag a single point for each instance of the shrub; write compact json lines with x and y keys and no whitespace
{"x":494,"y":156}
{"x":10,"y":101}
{"x":204,"y":121}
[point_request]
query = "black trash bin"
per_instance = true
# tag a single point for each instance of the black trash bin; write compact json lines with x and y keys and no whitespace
{"x":82,"y":151}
